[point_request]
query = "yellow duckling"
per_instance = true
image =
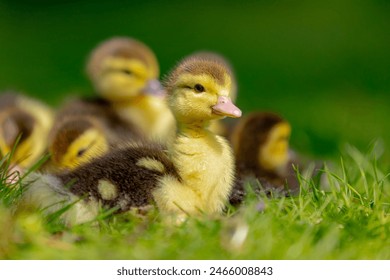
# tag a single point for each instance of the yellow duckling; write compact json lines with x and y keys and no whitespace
{"x":125,"y":72}
{"x":195,"y":177}
{"x":28,"y":119}
{"x":261,"y":147}
{"x":85,"y":129}
{"x":198,"y":93}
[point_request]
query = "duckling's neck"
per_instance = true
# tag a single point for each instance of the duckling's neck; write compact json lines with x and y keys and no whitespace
{"x":150,"y":114}
{"x":205,"y":164}
{"x":193,"y":129}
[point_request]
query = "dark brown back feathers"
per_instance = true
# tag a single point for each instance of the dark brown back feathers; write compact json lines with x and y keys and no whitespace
{"x":134,"y":183}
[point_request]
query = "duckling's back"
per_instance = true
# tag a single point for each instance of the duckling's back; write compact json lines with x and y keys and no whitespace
{"x":117,"y":129}
{"x":123,"y":178}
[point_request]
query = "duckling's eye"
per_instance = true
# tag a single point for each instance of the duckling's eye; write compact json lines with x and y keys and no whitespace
{"x":81,"y":152}
{"x":127,"y":72}
{"x":199,"y":88}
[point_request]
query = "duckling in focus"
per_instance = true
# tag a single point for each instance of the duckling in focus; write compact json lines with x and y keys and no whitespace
{"x":193,"y":177}
{"x":125,"y":72}
{"x":28,"y":119}
{"x":199,"y":92}
{"x":85,"y":129}
{"x":261,"y":146}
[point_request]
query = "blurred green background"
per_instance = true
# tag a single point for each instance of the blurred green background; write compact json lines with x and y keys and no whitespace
{"x":323,"y":65}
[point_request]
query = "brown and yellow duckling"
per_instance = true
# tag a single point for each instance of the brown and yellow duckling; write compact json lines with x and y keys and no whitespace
{"x":261,"y":146}
{"x":85,"y":129}
{"x":27,"y":120}
{"x":125,"y":73}
{"x":194,"y":177}
{"x":199,"y":90}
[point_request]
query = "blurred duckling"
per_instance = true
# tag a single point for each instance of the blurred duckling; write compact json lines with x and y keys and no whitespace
{"x":76,"y":141}
{"x":125,"y":72}
{"x":27,"y":120}
{"x":85,"y":129}
{"x":193,"y":177}
{"x":261,"y":145}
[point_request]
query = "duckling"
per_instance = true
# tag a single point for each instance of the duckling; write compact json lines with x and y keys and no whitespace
{"x":76,"y":141}
{"x":199,"y":90}
{"x":85,"y":129}
{"x":28,"y":119}
{"x":261,"y":146}
{"x":125,"y":72}
{"x":193,"y":177}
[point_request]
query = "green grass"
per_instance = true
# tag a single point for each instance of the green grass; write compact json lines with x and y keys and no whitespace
{"x":345,"y":216}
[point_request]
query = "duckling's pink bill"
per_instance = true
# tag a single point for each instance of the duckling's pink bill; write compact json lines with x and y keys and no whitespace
{"x":225,"y":107}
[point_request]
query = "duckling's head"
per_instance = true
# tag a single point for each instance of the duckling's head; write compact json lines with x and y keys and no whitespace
{"x":16,"y":127}
{"x":24,"y":126}
{"x":261,"y":140}
{"x":76,"y":141}
{"x":199,"y":90}
{"x":123,"y":68}
{"x":224,"y":61}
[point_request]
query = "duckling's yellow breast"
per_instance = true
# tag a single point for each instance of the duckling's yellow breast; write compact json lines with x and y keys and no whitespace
{"x":206,"y":166}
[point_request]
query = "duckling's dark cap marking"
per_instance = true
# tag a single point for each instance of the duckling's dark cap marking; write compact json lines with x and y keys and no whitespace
{"x":121,"y":47}
{"x":222,"y":60}
{"x":64,"y":133}
{"x":207,"y":55}
{"x":199,"y":65}
{"x":16,"y":122}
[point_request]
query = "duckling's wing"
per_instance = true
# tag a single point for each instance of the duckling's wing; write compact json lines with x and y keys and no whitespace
{"x":124,"y":178}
